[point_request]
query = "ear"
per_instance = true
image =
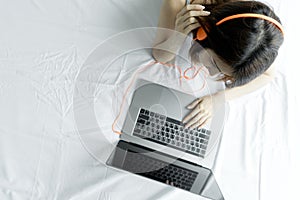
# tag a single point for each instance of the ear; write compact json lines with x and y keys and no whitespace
{"x":229,"y":80}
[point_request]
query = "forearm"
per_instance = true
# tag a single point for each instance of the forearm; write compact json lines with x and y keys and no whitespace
{"x":259,"y":82}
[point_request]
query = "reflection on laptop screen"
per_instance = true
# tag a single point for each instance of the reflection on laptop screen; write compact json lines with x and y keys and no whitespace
{"x":154,"y":165}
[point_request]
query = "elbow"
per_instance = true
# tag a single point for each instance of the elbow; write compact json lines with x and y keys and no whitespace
{"x":162,"y":56}
{"x":155,"y":54}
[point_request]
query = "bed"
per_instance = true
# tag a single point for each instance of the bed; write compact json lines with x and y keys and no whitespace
{"x":51,"y":149}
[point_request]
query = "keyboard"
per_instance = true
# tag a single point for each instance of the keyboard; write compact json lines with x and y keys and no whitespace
{"x":171,"y":132}
{"x":159,"y":170}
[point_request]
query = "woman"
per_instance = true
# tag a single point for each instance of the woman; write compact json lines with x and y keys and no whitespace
{"x":243,"y":48}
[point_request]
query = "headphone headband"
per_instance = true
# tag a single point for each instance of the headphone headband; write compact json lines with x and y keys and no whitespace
{"x":201,"y":34}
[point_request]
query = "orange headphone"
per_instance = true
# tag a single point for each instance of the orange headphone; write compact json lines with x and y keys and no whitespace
{"x":201,"y":34}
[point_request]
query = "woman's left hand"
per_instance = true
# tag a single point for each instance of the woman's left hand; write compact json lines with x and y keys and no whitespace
{"x":203,"y":110}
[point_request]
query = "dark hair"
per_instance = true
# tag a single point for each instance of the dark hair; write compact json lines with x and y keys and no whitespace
{"x":248,"y":45}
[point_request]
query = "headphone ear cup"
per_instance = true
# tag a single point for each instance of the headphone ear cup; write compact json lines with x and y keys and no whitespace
{"x":201,"y":34}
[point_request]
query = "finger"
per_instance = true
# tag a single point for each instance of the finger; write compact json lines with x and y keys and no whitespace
{"x":191,"y":115}
{"x":205,"y":2}
{"x":195,"y":13}
{"x":191,"y":22}
{"x":192,"y":105}
{"x":191,"y":27}
{"x":198,"y":1}
{"x":194,"y":120}
{"x":194,"y":7}
{"x":189,"y":8}
{"x":186,"y":17}
{"x":202,"y":123}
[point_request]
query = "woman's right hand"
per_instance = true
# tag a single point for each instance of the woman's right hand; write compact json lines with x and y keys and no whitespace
{"x":186,"y":19}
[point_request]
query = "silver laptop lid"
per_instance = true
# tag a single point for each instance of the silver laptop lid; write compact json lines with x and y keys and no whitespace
{"x":165,"y":101}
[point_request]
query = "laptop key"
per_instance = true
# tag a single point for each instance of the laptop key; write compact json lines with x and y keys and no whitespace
{"x":141,"y":121}
{"x":144,"y":117}
{"x":137,"y":131}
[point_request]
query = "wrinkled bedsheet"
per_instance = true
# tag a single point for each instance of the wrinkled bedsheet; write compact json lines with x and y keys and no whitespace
{"x":45,"y":151}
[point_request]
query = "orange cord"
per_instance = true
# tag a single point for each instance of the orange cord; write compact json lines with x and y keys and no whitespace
{"x":184,"y":75}
{"x":123,"y":99}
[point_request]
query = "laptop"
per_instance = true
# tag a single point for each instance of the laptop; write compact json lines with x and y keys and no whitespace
{"x":155,"y":144}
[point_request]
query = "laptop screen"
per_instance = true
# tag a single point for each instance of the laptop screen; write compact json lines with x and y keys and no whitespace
{"x":165,"y":169}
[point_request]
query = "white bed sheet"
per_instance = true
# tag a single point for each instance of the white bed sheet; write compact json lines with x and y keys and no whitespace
{"x":43,"y":154}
